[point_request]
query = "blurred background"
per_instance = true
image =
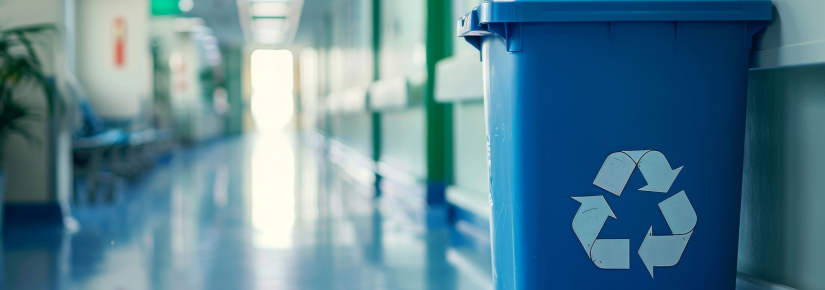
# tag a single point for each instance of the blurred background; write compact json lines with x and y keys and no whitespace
{"x":315,"y":144}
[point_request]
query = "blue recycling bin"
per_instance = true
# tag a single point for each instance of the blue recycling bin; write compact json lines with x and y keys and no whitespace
{"x":615,"y":139}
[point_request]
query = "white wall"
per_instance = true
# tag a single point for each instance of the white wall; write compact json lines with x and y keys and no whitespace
{"x":114,"y":92}
{"x":470,"y":147}
{"x":186,"y":67}
{"x":30,"y":173}
{"x":187,"y":61}
{"x":25,"y":163}
{"x":20,"y":13}
{"x":404,"y":142}
{"x":795,"y":36}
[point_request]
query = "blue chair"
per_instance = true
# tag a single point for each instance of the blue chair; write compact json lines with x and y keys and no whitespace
{"x":103,"y":156}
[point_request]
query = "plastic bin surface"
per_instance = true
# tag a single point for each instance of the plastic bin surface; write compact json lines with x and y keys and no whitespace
{"x":615,"y":147}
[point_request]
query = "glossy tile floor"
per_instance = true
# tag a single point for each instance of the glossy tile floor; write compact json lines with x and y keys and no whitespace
{"x":257,"y":212}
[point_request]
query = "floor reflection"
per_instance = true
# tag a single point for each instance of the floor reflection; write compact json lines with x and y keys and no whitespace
{"x":259,"y":212}
{"x":272,"y":194}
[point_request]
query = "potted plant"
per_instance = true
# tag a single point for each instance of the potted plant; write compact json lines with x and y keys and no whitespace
{"x":19,"y":64}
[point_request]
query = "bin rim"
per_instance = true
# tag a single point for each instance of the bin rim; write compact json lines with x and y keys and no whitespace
{"x":621,"y":10}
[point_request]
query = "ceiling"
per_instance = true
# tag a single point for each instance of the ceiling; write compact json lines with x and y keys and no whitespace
{"x":222,"y":17}
{"x":312,"y":16}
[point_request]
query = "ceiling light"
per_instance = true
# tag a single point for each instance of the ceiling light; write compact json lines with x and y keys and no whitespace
{"x":270,"y":9}
{"x":186,"y":5}
{"x":270,"y":24}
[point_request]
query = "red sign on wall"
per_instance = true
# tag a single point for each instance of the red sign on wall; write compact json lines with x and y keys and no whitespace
{"x":119,"y":35}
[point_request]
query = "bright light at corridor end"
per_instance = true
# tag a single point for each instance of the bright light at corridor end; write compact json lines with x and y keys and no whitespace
{"x":272,"y":104}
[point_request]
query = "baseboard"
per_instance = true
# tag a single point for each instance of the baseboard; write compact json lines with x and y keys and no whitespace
{"x":25,"y":214}
{"x":192,"y":143}
{"x":470,"y":205}
{"x":745,"y":282}
{"x":411,"y":200}
{"x":478,"y":270}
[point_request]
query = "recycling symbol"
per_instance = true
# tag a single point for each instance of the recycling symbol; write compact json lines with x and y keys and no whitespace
{"x":655,"y":251}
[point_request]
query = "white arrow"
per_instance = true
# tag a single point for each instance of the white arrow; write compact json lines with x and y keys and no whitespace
{"x":611,"y":253}
{"x":636,"y":155}
{"x":679,"y":213}
{"x":590,"y":219}
{"x":615,"y":172}
{"x":657,"y":172}
{"x":662,"y":251}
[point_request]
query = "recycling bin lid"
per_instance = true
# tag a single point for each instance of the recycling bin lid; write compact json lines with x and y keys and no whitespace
{"x":622,"y":10}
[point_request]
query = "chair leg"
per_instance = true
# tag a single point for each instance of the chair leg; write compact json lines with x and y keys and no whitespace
{"x":92,"y":176}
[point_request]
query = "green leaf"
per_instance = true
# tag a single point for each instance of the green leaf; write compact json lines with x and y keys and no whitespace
{"x":17,"y":68}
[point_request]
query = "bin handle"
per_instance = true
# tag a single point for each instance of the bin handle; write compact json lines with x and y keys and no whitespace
{"x":472,"y":30}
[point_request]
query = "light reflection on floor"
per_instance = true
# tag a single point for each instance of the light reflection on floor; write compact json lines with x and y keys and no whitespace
{"x":272,"y":194}
{"x":258,"y":212}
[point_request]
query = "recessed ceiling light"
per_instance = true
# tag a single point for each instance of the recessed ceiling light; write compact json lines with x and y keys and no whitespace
{"x":186,"y":5}
{"x":269,"y":9}
{"x":270,"y":1}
